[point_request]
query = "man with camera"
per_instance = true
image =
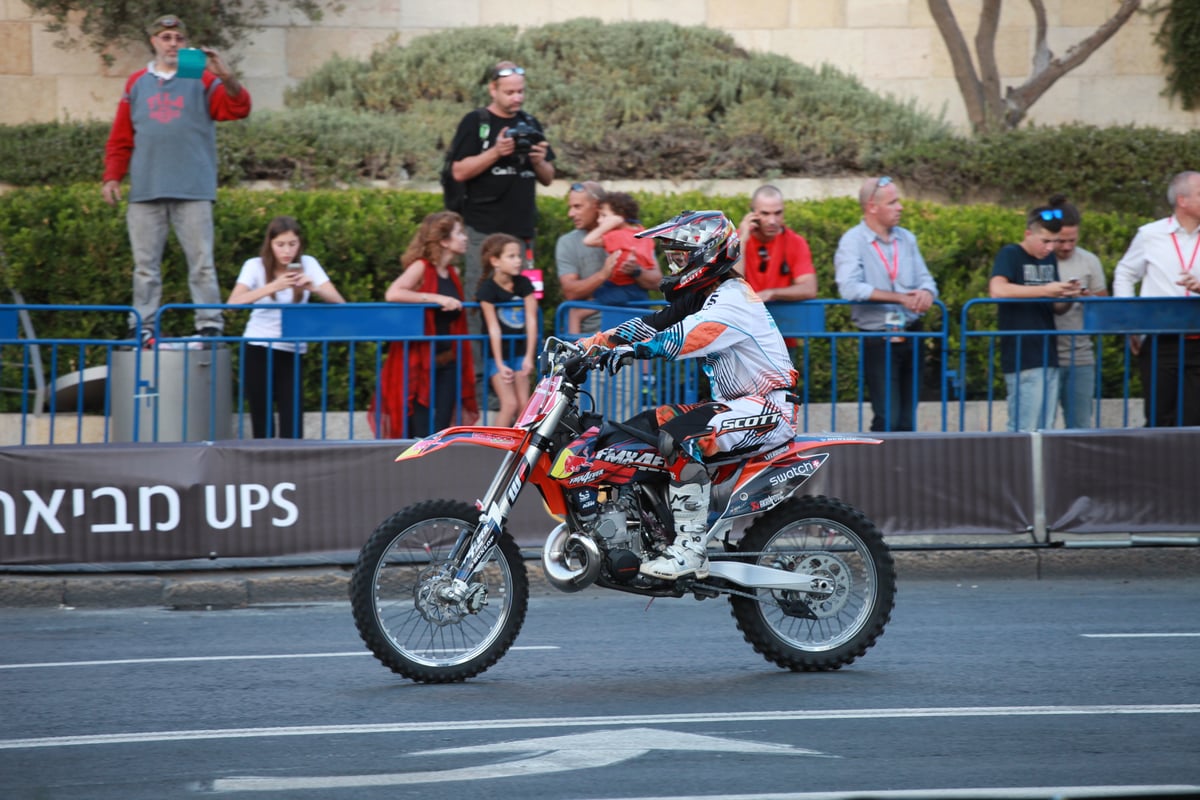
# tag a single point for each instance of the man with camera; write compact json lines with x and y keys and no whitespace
{"x":500,"y":153}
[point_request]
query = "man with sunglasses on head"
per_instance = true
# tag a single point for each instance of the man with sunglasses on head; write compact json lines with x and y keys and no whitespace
{"x":880,"y":268}
{"x":500,"y":153}
{"x":776,"y":261}
{"x":164,"y":136}
{"x":1029,"y":271}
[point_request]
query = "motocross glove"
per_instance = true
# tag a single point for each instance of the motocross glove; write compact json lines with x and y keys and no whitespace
{"x":612,"y":360}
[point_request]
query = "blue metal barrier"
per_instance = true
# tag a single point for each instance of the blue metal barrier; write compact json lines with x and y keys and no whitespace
{"x":1112,"y":321}
{"x":347,"y":344}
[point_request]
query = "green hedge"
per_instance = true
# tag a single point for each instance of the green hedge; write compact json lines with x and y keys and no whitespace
{"x":389,"y":117}
{"x":65,"y":246}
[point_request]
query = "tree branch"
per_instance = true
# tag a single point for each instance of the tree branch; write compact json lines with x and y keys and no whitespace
{"x":1021,"y":98}
{"x":985,"y":50}
{"x":969,"y":85}
{"x":1041,"y":51}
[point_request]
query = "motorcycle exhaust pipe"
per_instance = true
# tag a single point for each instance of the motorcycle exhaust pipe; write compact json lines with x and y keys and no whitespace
{"x":570,"y":573}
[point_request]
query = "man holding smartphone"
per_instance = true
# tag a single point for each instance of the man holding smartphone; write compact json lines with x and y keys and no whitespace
{"x":776,"y":261}
{"x":164,"y":136}
{"x":1076,"y":354}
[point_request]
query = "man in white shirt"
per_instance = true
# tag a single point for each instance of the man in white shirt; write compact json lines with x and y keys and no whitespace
{"x":1162,"y":258}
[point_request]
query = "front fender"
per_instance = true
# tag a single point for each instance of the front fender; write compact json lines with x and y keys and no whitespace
{"x":485,"y":436}
{"x":509,"y":439}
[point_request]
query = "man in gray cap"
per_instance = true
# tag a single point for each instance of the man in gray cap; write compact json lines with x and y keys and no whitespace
{"x":164,"y":137}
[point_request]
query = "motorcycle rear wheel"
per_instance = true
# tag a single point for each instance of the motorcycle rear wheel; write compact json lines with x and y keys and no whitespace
{"x":408,"y":624}
{"x":811,"y":631}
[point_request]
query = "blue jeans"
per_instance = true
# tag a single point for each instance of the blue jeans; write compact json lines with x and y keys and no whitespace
{"x":1032,"y":398}
{"x":192,"y":221}
{"x":1077,"y":395}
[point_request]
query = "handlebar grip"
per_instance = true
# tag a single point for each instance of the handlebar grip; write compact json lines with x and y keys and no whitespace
{"x":577,"y":367}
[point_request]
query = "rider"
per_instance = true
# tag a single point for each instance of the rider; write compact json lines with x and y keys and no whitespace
{"x":712,"y":314}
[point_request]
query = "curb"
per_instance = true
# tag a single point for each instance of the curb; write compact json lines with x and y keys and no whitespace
{"x":243,"y":588}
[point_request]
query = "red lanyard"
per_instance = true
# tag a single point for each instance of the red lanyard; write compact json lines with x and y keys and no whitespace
{"x":1185,"y":267}
{"x":893,"y":269}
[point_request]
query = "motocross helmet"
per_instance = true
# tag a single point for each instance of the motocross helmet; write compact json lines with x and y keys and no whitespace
{"x":701,"y":249}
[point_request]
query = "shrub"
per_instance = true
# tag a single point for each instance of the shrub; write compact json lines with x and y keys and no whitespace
{"x":65,"y":246}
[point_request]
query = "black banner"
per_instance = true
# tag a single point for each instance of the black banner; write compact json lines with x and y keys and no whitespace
{"x":160,"y":502}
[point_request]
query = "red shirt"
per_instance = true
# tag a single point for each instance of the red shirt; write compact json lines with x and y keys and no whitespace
{"x":788,"y":248}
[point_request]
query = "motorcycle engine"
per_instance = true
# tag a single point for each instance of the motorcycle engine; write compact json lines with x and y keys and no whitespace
{"x":614,"y":518}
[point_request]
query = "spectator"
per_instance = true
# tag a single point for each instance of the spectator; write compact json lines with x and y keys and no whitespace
{"x":582,"y":269}
{"x":511,"y":362}
{"x":880,"y":262}
{"x":1162,"y":258}
{"x":1076,"y":354}
{"x":500,"y":171}
{"x":278,"y":276}
{"x":1030,"y":361}
{"x":617,"y":222}
{"x":444,"y":369}
{"x":164,"y":136}
{"x":777,"y":262}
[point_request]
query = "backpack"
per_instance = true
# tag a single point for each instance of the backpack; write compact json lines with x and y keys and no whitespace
{"x":454,"y":193}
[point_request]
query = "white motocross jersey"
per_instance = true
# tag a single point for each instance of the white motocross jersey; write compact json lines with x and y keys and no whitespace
{"x":744,"y":353}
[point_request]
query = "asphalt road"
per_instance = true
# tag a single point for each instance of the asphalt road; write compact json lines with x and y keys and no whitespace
{"x":998,"y":688}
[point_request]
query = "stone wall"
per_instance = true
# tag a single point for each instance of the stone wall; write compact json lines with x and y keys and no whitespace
{"x":891,"y":45}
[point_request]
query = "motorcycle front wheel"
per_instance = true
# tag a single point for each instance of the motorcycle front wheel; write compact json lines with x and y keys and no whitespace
{"x":826,"y":629}
{"x":401,"y":607}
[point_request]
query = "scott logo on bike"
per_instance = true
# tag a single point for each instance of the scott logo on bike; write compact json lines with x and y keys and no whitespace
{"x":642,"y":458}
{"x":762,"y":421}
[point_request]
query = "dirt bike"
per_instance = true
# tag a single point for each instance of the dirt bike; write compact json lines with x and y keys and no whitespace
{"x":440,"y":591}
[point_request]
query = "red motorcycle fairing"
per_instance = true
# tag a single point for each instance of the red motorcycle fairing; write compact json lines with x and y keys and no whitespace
{"x":588,"y":462}
{"x":509,"y":439}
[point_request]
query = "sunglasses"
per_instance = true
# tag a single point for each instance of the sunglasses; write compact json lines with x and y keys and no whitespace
{"x":764,"y":257}
{"x":589,"y":188}
{"x":1050,"y":213}
{"x":879,"y":184}
{"x":504,"y":72}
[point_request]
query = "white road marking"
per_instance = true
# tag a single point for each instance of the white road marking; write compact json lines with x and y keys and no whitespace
{"x":550,"y":754}
{"x":1013,"y":793}
{"x":1139,"y":635}
{"x":193,"y":659}
{"x":592,"y":722}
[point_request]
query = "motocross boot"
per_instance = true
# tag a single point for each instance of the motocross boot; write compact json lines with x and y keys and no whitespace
{"x":689,"y":553}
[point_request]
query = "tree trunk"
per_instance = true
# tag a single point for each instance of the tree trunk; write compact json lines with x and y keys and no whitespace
{"x":989,"y":109}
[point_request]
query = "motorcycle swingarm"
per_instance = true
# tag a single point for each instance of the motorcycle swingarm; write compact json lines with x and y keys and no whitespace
{"x":754,"y":576}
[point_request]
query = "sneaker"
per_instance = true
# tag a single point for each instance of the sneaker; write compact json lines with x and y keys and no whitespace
{"x":675,"y":562}
{"x":144,"y":337}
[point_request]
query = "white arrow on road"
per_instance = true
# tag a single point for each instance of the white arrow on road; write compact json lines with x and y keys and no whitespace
{"x":553,"y":754}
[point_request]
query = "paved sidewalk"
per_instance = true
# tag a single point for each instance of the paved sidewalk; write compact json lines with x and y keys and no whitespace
{"x":257,"y":587}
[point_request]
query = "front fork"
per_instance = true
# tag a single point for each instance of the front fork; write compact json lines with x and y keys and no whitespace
{"x":473,"y":546}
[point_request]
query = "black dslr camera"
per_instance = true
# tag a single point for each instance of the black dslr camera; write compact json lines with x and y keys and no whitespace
{"x":524,"y":136}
